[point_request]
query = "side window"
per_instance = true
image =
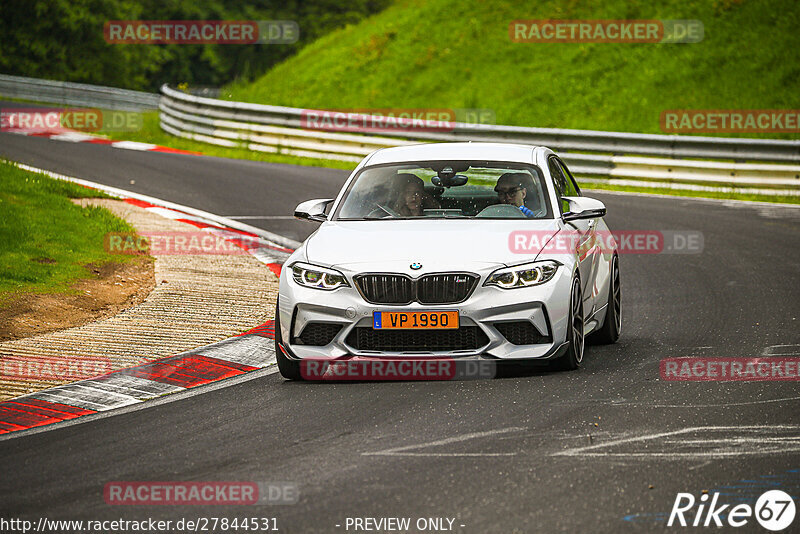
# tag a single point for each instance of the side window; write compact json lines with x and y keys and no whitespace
{"x":560,"y":181}
{"x":571,"y":185}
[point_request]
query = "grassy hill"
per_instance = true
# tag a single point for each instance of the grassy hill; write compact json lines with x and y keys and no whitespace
{"x":458,"y":54}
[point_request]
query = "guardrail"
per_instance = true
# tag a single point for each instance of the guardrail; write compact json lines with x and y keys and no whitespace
{"x":596,"y":154}
{"x":76,"y":94}
{"x":280,"y":130}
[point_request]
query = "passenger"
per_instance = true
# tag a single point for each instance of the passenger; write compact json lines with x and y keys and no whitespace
{"x":413,"y":199}
{"x":510,"y":190}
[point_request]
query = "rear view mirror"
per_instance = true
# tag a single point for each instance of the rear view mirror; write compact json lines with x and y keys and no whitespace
{"x":313,"y":210}
{"x":583,"y":208}
{"x":449,"y":180}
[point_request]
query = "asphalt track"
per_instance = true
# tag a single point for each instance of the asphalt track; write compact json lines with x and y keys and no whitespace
{"x":603,"y":449}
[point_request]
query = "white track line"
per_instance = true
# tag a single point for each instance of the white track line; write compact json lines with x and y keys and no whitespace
{"x":172,"y":397}
{"x":401,"y":451}
{"x":759,"y":439}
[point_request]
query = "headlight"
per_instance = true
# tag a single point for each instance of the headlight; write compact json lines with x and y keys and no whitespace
{"x":318,"y":277}
{"x":529,"y":274}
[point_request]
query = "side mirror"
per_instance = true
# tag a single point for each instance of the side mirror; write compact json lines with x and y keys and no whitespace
{"x":313,"y":210}
{"x":583,"y":208}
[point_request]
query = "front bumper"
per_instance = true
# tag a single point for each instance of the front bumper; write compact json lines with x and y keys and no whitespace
{"x":545,"y":307}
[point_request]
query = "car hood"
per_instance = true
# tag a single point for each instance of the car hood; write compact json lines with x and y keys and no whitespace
{"x":439,"y":245}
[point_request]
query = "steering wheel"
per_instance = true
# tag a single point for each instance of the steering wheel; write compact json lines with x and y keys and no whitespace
{"x":381,"y":208}
{"x":505,"y":211}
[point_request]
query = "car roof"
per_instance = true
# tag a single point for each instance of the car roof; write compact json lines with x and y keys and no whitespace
{"x":454,"y":151}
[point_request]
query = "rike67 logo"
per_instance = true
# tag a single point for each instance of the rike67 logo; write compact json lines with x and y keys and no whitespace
{"x":774,"y":510}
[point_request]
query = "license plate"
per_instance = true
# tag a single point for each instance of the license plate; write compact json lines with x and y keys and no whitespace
{"x":415,"y":320}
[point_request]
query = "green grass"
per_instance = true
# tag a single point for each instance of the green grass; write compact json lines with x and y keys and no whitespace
{"x":45,"y":239}
{"x":457,"y":54}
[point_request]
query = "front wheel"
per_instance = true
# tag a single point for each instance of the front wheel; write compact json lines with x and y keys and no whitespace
{"x":612,"y":325}
{"x":574,"y":356}
{"x":290,"y":369}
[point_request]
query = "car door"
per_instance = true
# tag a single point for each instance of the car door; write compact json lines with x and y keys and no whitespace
{"x":566,"y":187}
{"x":602,"y":258}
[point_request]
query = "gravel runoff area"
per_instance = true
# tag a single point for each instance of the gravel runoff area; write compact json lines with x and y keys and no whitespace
{"x":197,"y":300}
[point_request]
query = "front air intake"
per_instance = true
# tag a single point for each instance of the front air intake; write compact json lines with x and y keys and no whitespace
{"x":318,"y":334}
{"x":521,"y":333}
{"x":464,"y":338}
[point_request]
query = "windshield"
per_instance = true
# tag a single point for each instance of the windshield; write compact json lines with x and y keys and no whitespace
{"x":446,"y":189}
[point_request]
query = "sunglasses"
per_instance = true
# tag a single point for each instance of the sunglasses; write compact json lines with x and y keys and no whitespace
{"x":507,"y":192}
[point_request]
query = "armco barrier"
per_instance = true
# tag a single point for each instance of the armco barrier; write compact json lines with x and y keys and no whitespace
{"x":75,"y":94}
{"x":766,"y":163}
{"x":279,"y":129}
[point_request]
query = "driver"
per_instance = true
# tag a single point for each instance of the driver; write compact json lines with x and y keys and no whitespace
{"x":510,"y":190}
{"x":413,"y":198}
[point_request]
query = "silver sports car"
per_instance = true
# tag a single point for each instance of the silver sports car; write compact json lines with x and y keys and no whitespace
{"x":481,"y":251}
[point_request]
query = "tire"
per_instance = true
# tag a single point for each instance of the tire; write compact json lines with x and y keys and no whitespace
{"x":290,"y":369}
{"x":612,"y":325}
{"x":572,"y":359}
